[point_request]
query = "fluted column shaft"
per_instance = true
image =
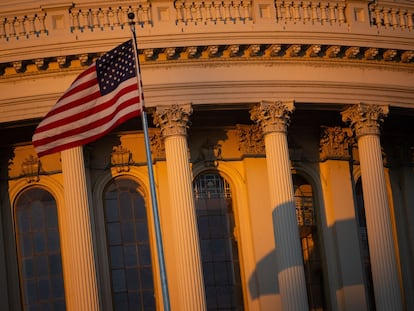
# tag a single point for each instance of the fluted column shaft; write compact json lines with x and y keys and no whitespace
{"x":173,"y":122}
{"x":365,"y":120}
{"x":77,"y":247}
{"x":274,"y":118}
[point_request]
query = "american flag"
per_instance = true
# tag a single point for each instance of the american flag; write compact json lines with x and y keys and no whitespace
{"x":102,"y":97}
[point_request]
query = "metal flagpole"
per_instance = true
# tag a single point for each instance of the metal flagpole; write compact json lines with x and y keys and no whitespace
{"x":160,"y":250}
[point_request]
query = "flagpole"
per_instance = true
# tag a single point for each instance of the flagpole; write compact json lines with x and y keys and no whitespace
{"x":160,"y":250}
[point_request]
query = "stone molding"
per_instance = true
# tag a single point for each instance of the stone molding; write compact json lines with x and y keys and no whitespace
{"x":272,"y":116}
{"x":251,"y":140}
{"x":365,"y":119}
{"x":334,"y":143}
{"x":173,"y":120}
{"x":231,"y":52}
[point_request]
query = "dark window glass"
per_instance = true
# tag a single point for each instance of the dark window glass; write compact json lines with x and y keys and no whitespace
{"x":363,"y":238}
{"x":38,"y":245}
{"x":128,"y":247}
{"x":310,"y":242}
{"x":218,"y":245}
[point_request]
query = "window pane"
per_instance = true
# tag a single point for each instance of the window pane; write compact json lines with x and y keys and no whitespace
{"x":218,"y":246}
{"x":311,"y":251}
{"x":39,"y":255}
{"x":128,"y":246}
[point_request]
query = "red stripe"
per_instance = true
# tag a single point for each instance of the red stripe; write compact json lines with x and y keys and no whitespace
{"x":89,"y":139}
{"x":91,"y":111}
{"x":75,"y":102}
{"x":83,"y":129}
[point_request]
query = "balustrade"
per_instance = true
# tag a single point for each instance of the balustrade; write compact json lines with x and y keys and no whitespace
{"x":22,"y":26}
{"x":310,"y":12}
{"x":212,"y":11}
{"x":391,"y":17}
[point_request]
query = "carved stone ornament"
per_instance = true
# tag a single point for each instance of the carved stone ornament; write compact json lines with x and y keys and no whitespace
{"x":210,"y":153}
{"x":157,"y":145}
{"x":251,"y":140}
{"x":173,"y":120}
{"x":365,"y":119}
{"x":31,"y":169}
{"x":334,"y":143}
{"x":121,"y":159}
{"x":272,"y":116}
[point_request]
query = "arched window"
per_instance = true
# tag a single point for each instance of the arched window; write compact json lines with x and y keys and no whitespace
{"x":363,"y":240}
{"x":307,"y":221}
{"x":38,"y":246}
{"x":128,"y":247}
{"x":219,"y":252}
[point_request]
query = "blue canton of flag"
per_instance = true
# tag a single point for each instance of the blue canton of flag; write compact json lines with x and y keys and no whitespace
{"x":116,"y":66}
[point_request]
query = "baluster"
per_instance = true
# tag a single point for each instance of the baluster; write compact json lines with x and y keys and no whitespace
{"x":386,"y":12}
{"x":147,"y":14}
{"x":85,"y":17}
{"x":139,"y":18}
{"x":227,"y":13}
{"x":279,"y":16}
{"x":117,"y":16}
{"x":31,"y":24}
{"x":288,"y":15}
{"x":100,"y":17}
{"x":18,"y":26}
{"x":296,"y":15}
{"x":198,"y":14}
{"x":109,"y":18}
{"x":402,"y":19}
{"x":12,"y":30}
{"x":236,"y":10}
{"x":378,"y":16}
{"x":410,"y":20}
{"x":217,"y":5}
{"x":315,"y":17}
{"x":179,"y":11}
{"x":187,"y":12}
{"x":324,"y":16}
{"x":209,"y":16}
{"x":94,"y":19}
{"x":394,"y":19}
{"x":306,"y":15}
{"x":124,"y":16}
{"x":341,"y":13}
{"x":246,"y":10}
{"x":332,"y":15}
{"x":3,"y":28}
{"x":42,"y":25}
{"x":74,"y":20}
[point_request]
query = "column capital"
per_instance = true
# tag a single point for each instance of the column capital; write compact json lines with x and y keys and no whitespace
{"x":365,"y":119}
{"x":173,"y":120}
{"x":272,"y":116}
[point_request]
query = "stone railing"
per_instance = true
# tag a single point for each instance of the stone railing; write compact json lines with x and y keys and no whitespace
{"x":385,"y":14}
{"x":38,"y":28}
{"x":311,"y":12}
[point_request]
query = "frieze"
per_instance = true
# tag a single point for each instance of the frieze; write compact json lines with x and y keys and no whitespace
{"x":251,"y":140}
{"x":335,"y":143}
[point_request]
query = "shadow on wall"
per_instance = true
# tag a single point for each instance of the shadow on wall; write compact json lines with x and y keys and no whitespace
{"x":264,"y":277}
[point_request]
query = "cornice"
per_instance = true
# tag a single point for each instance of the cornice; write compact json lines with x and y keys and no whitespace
{"x":391,"y":58}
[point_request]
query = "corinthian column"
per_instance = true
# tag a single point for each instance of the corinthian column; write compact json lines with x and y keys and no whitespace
{"x":173,"y":122}
{"x":273,"y":117}
{"x":365,"y":121}
{"x":77,"y":247}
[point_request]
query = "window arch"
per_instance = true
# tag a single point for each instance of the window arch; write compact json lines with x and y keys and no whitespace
{"x":310,"y":242}
{"x":363,"y":240}
{"x":219,"y":250}
{"x":38,"y":247}
{"x":128,"y":246}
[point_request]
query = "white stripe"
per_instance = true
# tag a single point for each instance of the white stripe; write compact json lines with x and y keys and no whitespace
{"x":92,"y":132}
{"x":88,"y":119}
{"x":79,"y":109}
